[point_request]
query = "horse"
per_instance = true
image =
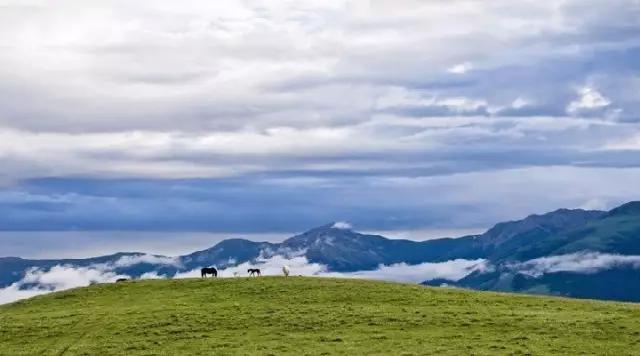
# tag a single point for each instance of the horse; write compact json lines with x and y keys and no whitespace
{"x":254,"y":271}
{"x":209,"y":270}
{"x":121,"y":280}
{"x":286,"y":271}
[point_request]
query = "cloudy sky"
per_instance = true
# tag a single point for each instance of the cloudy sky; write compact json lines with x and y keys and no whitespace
{"x":269,"y":117}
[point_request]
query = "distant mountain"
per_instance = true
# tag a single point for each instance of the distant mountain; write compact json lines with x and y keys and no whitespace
{"x":576,"y":253}
{"x":339,"y":249}
{"x":345,"y":250}
{"x":598,"y":258}
{"x":226,"y":253}
{"x":505,"y":239}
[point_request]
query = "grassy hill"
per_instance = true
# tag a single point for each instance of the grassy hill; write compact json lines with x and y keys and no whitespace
{"x":274,"y":315}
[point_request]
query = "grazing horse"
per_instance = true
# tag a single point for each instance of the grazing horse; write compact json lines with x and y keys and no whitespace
{"x":286,"y":271}
{"x":209,"y":270}
{"x":121,"y":280}
{"x":254,"y":271}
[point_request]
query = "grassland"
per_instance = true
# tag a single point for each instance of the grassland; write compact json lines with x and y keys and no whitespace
{"x":315,"y":316}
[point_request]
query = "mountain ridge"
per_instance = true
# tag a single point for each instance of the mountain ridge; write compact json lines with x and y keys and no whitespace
{"x":341,"y":249}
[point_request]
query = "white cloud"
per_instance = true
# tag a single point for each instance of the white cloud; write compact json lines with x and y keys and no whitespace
{"x":269,"y":265}
{"x":520,"y":102}
{"x":580,"y":262}
{"x":194,"y":273}
{"x":61,"y":277}
{"x":130,"y":260}
{"x":342,"y":225}
{"x":595,"y":204}
{"x":401,"y":272}
{"x":152,"y":275}
{"x":273,"y":267}
{"x":13,"y":292}
{"x":460,"y":68}
{"x":452,"y":270}
{"x":590,"y":99}
{"x":58,"y":278}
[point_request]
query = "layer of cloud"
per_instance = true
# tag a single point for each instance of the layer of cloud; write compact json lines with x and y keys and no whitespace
{"x":130,"y":260}
{"x":220,"y":111}
{"x":37,"y":281}
{"x":464,"y":200}
{"x":580,"y":262}
{"x":227,"y":89}
{"x":450,"y":270}
{"x":59,"y":278}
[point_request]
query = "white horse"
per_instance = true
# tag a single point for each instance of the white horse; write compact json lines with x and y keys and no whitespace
{"x":286,"y":271}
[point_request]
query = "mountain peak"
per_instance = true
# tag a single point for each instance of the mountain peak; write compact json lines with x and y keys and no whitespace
{"x":325,"y":234}
{"x":332,"y":227}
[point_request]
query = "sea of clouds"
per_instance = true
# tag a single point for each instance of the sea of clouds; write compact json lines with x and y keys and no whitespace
{"x":61,"y":277}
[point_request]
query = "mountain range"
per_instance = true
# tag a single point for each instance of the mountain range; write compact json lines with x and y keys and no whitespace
{"x":567,"y":252}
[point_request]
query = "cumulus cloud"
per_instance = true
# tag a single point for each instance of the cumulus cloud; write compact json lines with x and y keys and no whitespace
{"x":590,"y":99}
{"x":580,"y":262}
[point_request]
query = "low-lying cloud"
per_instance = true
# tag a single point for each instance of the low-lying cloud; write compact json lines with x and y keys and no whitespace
{"x":37,"y":281}
{"x":579,"y":262}
{"x":451,"y":270}
{"x":61,"y":277}
{"x":130,"y":260}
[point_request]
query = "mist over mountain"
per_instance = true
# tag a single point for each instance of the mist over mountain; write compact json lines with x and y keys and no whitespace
{"x":574,"y":253}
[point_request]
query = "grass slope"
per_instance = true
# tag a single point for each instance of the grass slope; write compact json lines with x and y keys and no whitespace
{"x":274,"y":315}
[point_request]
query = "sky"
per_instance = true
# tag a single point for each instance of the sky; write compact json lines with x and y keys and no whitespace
{"x":122,"y":119}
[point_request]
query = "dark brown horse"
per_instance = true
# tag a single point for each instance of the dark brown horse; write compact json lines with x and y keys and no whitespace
{"x":209,"y":270}
{"x":254,"y":271}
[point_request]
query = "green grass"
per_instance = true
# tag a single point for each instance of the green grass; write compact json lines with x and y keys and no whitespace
{"x":315,"y":316}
